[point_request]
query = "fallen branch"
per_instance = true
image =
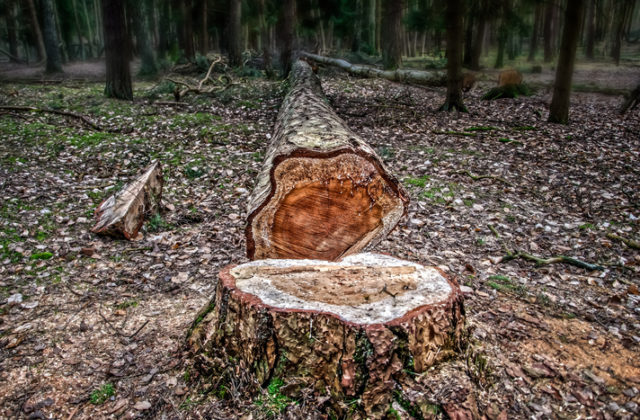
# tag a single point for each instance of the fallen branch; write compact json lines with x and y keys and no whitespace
{"x":540,"y":261}
{"x":479,"y":177}
{"x":628,"y":242}
{"x":200,"y":89}
{"x":80,"y":117}
{"x":420,"y":77}
{"x":12,"y":57}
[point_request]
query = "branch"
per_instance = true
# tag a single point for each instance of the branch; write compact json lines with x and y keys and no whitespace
{"x":12,"y":57}
{"x":628,"y":242}
{"x":540,"y":261}
{"x":82,"y":118}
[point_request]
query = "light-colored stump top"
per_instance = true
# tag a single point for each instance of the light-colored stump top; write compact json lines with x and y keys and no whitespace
{"x":363,"y":288}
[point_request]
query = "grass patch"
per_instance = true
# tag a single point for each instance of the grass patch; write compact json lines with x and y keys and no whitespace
{"x":420,"y":182}
{"x":274,"y":402}
{"x":505,"y":284}
{"x":45,"y":255}
{"x":157,"y":224}
{"x":102,"y":394}
{"x":507,"y":91}
{"x":481,"y":128}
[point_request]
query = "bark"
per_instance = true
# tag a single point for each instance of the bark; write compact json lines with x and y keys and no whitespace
{"x":346,"y":329}
{"x":148,"y":65}
{"x":407,"y":76}
{"x":391,"y":36}
{"x":533,"y":45}
{"x":234,"y":33}
{"x":630,"y":103}
{"x":559,"y":109}
{"x":455,"y":30}
{"x":322,"y":192}
{"x":123,"y":214}
{"x":370,"y":26}
{"x":623,"y":10}
{"x":118,"y":83}
{"x":50,"y":34}
{"x":164,"y":34}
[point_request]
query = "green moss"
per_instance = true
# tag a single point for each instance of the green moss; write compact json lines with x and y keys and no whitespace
{"x":420,"y":182}
{"x":45,"y":255}
{"x":507,"y":91}
{"x":274,"y":402}
{"x":481,"y":128}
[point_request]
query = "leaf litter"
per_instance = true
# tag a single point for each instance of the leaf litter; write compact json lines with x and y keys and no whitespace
{"x":79,"y":311}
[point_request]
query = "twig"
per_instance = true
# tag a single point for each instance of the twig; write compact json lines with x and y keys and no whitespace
{"x":628,"y":242}
{"x":82,"y":118}
{"x":455,"y":133}
{"x":479,"y":177}
{"x":139,"y":329}
{"x":540,"y":261}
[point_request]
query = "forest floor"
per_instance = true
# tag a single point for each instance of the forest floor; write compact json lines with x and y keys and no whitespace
{"x":93,"y":327}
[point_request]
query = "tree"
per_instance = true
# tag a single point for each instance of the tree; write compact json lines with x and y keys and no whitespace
{"x":285,"y":28}
{"x":483,"y":15}
{"x":12,"y":30}
{"x":392,"y":33}
{"x":624,"y":11}
{"x":503,"y":32}
{"x":115,"y":40}
{"x":140,"y":18}
{"x":455,"y":30}
{"x":50,"y":35}
{"x":590,"y":29}
{"x":559,"y":110}
{"x":234,"y":33}
{"x":548,"y":32}
{"x":185,"y":11}
{"x":35,"y":25}
{"x":537,"y":20}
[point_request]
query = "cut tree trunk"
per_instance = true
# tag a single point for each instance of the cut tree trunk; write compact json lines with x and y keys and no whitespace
{"x":123,"y":214}
{"x":352,"y":330}
{"x":322,"y":192}
{"x":420,"y":77}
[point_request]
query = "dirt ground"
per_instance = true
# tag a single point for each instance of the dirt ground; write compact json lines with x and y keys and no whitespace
{"x":92,"y":327}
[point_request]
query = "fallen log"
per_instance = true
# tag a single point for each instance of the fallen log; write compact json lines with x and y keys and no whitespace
{"x":123,"y":214}
{"x":322,"y":193}
{"x":420,"y":77}
{"x":352,"y":329}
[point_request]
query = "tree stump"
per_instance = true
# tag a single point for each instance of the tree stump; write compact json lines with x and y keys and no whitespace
{"x":348,"y":329}
{"x":322,"y":193}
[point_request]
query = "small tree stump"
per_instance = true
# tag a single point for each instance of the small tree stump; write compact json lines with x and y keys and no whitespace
{"x":123,"y":214}
{"x":322,"y":193}
{"x":348,"y":329}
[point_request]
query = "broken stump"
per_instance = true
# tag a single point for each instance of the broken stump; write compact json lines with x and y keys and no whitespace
{"x":123,"y":214}
{"x":348,"y":330}
{"x":322,"y":193}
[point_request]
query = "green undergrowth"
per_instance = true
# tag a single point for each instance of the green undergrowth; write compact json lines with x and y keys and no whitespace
{"x":273,"y":402}
{"x":508,"y":91}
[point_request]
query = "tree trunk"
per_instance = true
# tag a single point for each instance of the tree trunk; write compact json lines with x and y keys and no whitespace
{"x":392,"y":34}
{"x":164,"y":34}
{"x":285,"y":29}
{"x":468,"y":40}
{"x":12,"y":30}
{"x":559,"y":109}
{"x":631,"y":101}
{"x":35,"y":27}
{"x":185,"y":29}
{"x":370,"y":26}
{"x":78,"y":30}
{"x":234,"y":33}
{"x":590,"y":41}
{"x":116,"y":42}
{"x":537,"y":20}
{"x":455,"y":30}
{"x":354,"y":329}
{"x":123,"y":214}
{"x":140,"y":18}
{"x":50,"y":35}
{"x":420,"y":77}
{"x":265,"y":35}
{"x":322,"y":192}
{"x":479,"y":37}
{"x":549,"y":43}
{"x":623,"y":9}
{"x":203,"y":42}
